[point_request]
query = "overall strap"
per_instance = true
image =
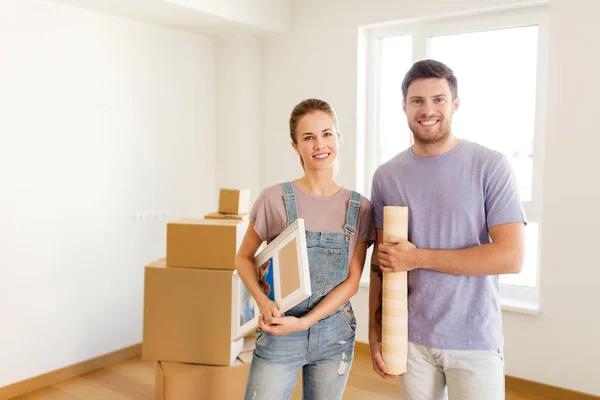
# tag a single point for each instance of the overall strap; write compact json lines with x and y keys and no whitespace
{"x":352,"y":216}
{"x":290,"y":202}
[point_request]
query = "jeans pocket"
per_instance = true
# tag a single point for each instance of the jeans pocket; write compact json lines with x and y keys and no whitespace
{"x":325,"y":265}
{"x":349,"y":318}
{"x":260,"y":337}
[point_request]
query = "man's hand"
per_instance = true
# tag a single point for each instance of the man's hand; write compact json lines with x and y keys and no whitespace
{"x":378,"y":364}
{"x":397,"y":254}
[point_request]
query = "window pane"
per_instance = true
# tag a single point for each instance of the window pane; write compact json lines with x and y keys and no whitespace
{"x":528,"y":276}
{"x":396,"y":59}
{"x":496,"y":72}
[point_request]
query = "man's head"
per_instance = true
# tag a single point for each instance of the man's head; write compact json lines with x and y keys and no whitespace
{"x":430,"y":98}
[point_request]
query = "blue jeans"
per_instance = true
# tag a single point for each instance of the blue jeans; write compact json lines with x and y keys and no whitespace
{"x":324,"y":352}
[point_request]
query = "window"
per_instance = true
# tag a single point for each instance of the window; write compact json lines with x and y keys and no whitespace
{"x":507,"y":51}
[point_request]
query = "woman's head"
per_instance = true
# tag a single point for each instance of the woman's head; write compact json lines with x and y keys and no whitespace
{"x":315,"y":133}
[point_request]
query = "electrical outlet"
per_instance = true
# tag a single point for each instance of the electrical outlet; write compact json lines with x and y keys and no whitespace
{"x":150,"y":216}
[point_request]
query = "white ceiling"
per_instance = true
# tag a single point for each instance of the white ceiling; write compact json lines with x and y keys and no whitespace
{"x":205,"y":17}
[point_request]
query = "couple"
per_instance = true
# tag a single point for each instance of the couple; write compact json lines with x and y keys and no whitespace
{"x":465,"y":228}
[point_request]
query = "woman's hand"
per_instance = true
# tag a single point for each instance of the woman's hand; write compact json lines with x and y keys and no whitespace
{"x":268,"y":310}
{"x":282,"y":325}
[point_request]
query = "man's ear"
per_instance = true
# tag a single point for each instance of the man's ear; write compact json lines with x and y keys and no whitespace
{"x":455,"y":104}
{"x":404,"y":105}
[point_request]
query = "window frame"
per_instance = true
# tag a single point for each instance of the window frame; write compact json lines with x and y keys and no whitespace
{"x":421,"y":31}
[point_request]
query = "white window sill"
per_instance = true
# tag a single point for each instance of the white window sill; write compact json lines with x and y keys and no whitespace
{"x":508,"y":304}
{"x":520,"y":306}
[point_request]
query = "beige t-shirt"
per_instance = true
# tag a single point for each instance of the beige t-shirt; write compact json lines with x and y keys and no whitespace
{"x":320,"y":214}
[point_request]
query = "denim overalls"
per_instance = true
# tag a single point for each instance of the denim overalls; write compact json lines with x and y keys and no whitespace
{"x":324,"y":351}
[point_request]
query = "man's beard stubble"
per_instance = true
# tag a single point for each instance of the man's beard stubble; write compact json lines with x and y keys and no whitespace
{"x":440,"y":135}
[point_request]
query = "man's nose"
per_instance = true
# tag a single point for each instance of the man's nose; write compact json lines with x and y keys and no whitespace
{"x":428,"y":109}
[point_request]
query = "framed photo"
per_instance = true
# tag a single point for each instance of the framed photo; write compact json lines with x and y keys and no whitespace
{"x":245,"y":311}
{"x":283,"y":275}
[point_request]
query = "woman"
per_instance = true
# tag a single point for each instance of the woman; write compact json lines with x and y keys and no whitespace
{"x":317,"y":335}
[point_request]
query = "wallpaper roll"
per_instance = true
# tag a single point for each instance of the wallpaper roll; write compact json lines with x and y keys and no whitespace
{"x":394,"y":319}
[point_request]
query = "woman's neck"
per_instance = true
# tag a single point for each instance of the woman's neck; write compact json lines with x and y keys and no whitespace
{"x":319,"y":183}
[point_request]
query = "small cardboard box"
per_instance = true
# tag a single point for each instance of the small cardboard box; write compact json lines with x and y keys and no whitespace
{"x":187,"y":316}
{"x":176,"y":381}
{"x":218,"y":215}
{"x":234,"y":201}
{"x":204,"y":243}
{"x":200,"y":382}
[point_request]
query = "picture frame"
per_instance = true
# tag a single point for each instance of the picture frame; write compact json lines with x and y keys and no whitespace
{"x":284,"y":276}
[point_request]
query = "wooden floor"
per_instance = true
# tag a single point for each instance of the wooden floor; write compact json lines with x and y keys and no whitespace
{"x":134,"y":380}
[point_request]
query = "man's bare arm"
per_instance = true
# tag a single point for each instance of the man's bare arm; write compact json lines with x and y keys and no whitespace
{"x":503,"y":256}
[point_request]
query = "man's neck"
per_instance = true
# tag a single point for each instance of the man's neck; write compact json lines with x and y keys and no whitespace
{"x":435,"y":149}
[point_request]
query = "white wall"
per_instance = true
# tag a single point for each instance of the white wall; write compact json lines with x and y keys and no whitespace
{"x":100,"y":118}
{"x":238,"y":105}
{"x":319,"y":59}
{"x":560,"y":346}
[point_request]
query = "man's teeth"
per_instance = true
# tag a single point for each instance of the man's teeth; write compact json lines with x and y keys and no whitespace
{"x":431,"y":122}
{"x":321,"y":156}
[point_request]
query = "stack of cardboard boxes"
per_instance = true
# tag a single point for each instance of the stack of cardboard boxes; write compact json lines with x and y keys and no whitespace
{"x":188,"y":303}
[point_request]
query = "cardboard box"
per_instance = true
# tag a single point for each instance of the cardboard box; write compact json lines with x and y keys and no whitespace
{"x":199,"y":382}
{"x":234,"y":201}
{"x":187,"y":316}
{"x":204,"y":243}
{"x":218,"y":215}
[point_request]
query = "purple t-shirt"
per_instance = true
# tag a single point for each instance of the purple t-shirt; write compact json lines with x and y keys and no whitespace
{"x":452,"y":200}
{"x":320,"y":214}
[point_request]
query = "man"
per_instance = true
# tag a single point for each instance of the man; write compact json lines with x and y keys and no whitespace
{"x":466,"y":226}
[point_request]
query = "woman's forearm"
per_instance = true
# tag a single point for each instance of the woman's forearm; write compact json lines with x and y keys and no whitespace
{"x":332,"y":301}
{"x":247,"y":271}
